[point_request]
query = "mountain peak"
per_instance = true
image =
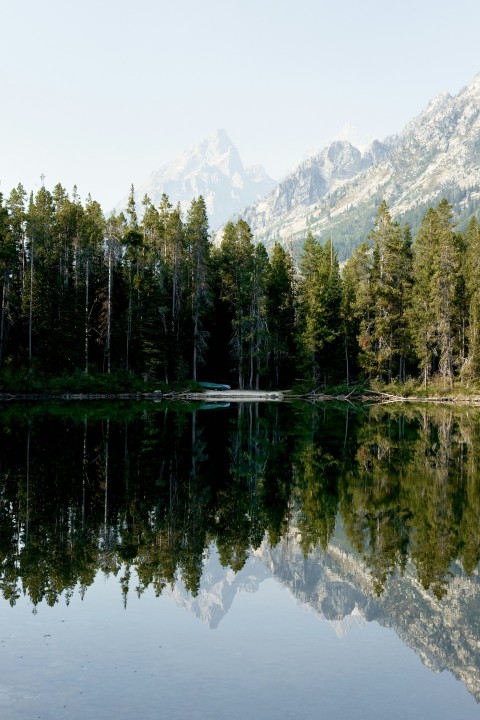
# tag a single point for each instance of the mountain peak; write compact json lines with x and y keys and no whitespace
{"x":438,"y":102}
{"x":220,"y":140}
{"x":212,"y":168}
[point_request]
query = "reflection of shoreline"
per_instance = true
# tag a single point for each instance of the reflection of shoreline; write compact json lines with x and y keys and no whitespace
{"x":337,"y":585}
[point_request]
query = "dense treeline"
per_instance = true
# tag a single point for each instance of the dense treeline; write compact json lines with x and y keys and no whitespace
{"x":147,"y":490}
{"x":154,"y":297}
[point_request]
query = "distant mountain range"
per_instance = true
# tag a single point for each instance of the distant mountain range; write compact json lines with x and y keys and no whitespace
{"x":336,"y":192}
{"x":213,"y":169}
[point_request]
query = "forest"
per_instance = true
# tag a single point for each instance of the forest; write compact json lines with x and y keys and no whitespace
{"x":153,"y":298}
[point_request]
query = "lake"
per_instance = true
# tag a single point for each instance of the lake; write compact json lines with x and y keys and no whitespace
{"x":246,"y":561}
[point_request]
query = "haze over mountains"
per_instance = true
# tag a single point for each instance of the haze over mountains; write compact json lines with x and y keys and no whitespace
{"x":336,"y":192}
{"x":213,"y":169}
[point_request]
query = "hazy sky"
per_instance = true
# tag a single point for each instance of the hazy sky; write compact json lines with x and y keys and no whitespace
{"x":102,"y":92}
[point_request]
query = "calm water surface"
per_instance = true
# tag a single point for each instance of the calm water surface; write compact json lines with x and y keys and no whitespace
{"x":256,"y":561}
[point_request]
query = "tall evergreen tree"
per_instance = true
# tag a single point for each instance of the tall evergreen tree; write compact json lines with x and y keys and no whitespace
{"x":236,"y":276}
{"x":43,"y":281}
{"x":90,"y":263}
{"x":133,"y":264}
{"x":318,"y":308}
{"x":435,"y":313}
{"x":472,"y":282}
{"x":16,"y":204}
{"x":385,"y":341}
{"x":356,"y":310}
{"x":198,"y":243}
{"x":7,"y":266}
{"x":280,"y":310}
{"x":258,"y":314}
{"x":114,"y":233}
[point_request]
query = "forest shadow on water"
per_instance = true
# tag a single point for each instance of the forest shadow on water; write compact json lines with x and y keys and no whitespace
{"x":356,"y":510}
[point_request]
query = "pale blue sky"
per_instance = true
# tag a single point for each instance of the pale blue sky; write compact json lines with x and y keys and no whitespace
{"x":101,"y":92}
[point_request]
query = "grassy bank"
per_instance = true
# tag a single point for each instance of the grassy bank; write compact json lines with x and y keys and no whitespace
{"x":29,"y":381}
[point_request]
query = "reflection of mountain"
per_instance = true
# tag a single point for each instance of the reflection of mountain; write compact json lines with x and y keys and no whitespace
{"x":218,"y":588}
{"x":336,"y":583}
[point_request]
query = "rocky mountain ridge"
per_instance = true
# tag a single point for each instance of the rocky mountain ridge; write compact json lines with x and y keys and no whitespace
{"x":336,"y":193}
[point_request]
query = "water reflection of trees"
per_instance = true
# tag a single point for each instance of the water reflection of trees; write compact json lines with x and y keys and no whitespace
{"x":83,"y":490}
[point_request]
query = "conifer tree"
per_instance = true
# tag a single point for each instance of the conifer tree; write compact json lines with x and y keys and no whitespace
{"x":90,"y":272}
{"x":258,"y":313}
{"x":114,"y":233}
{"x":386,"y":341}
{"x":318,"y":308}
{"x":472,"y":282}
{"x":17,"y":222}
{"x":280,"y":310}
{"x":43,"y":280}
{"x":236,"y":273}
{"x":356,"y":310}
{"x":198,"y":243}
{"x":133,"y":256}
{"x":7,"y":263}
{"x":435,"y":313}
{"x":176,"y":308}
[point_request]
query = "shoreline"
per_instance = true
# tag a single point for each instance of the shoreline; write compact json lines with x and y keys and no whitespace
{"x":365,"y":397}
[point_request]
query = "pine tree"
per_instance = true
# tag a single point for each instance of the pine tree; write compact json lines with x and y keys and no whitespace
{"x":281,"y":315}
{"x":7,"y":268}
{"x":175,"y":311}
{"x":17,"y":221}
{"x":390,"y":285}
{"x":435,"y":312}
{"x":356,"y":310}
{"x":133,"y":264}
{"x":114,"y":233}
{"x":258,"y":312}
{"x":236,"y":267}
{"x":90,"y":273}
{"x":198,"y":243}
{"x":472,"y":282}
{"x":318,"y":308}
{"x":43,"y":280}
{"x":66,"y":234}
